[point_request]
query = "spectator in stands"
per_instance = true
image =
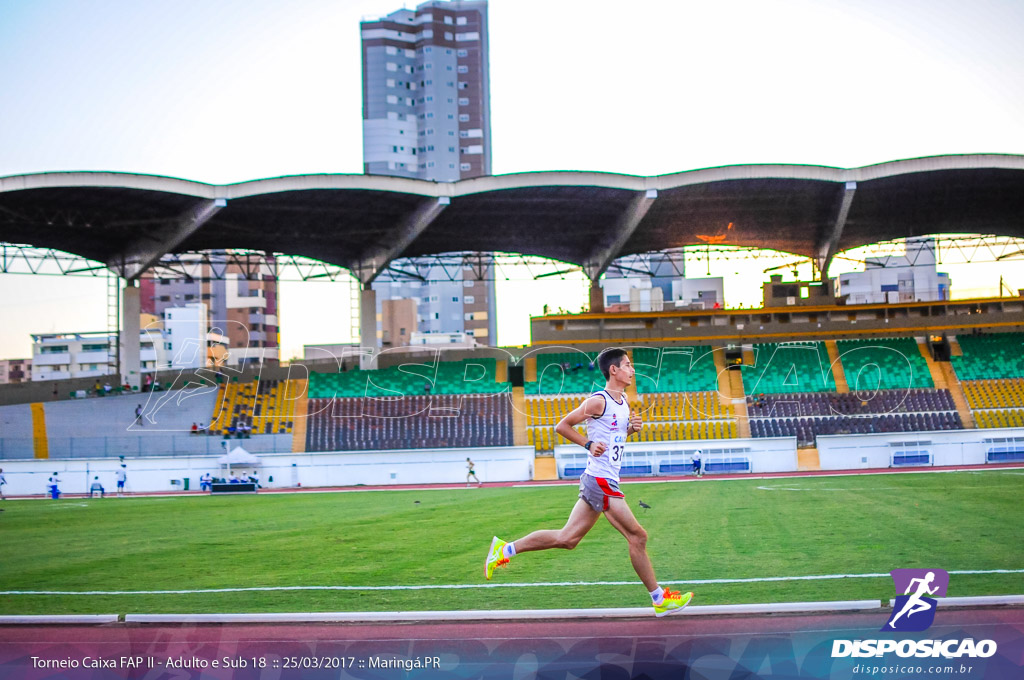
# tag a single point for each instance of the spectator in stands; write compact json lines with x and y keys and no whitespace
{"x":98,"y":388}
{"x":206,"y":482}
{"x":255,"y":478}
{"x":138,"y":415}
{"x":426,"y":388}
{"x":96,"y":486}
{"x":106,"y":388}
{"x":696,"y":464}
{"x":234,"y":479}
{"x":195,"y":429}
{"x":148,"y":385}
{"x":122,"y":477}
{"x":52,"y":485}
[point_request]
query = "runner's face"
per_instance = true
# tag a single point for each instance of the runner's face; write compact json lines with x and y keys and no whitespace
{"x":624,"y":371}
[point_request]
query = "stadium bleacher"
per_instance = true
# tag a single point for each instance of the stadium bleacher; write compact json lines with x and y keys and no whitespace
{"x":887,"y":364}
{"x":990,"y":356}
{"x":469,"y":376}
{"x":675,"y":369}
{"x":789,"y":367}
{"x":16,"y":430}
{"x":267,"y":406}
{"x":470,"y":390}
{"x":434,"y":421}
{"x":566,"y":373}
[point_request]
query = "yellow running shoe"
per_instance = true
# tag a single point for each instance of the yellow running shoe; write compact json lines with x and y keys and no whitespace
{"x":495,"y":557}
{"x":672,"y":601}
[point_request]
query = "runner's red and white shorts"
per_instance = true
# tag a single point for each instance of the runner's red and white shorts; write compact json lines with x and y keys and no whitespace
{"x":597,"y":491}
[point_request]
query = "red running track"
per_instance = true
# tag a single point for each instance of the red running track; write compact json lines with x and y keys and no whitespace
{"x":673,"y":647}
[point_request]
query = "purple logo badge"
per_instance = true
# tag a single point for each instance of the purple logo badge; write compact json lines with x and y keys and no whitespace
{"x":914,"y":608}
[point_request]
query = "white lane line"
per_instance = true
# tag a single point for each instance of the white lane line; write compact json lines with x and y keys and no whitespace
{"x":467,"y":586}
{"x":505,"y":614}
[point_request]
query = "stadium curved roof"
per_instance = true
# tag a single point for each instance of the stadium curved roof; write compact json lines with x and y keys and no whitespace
{"x":363,"y":222}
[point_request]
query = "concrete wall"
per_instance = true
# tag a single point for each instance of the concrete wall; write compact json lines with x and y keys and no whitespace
{"x":425,"y":466}
{"x":959,"y":447}
{"x":766,"y":455}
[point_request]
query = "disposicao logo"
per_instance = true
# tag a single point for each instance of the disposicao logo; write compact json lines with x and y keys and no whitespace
{"x":914,"y":611}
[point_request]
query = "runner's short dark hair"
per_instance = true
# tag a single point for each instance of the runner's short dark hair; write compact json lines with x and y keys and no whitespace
{"x":608,"y":358}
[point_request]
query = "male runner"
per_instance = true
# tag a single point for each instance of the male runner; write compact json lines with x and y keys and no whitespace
{"x":470,"y":465}
{"x":609,"y":422}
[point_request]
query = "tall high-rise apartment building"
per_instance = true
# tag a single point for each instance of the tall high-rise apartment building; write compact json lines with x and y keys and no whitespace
{"x":426,"y":95}
{"x":427,"y":115}
{"x":440,"y":306}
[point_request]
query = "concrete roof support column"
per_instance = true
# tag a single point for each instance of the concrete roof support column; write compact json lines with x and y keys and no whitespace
{"x":596,"y":297}
{"x":827,"y":249}
{"x":131,"y":364}
{"x":375,"y":260}
{"x":143,"y":252}
{"x":368,"y":346}
{"x":612,"y":244}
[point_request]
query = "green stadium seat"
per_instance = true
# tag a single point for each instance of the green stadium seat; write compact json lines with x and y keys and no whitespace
{"x":887,"y":364}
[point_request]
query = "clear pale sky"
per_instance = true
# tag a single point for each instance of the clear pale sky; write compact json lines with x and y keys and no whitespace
{"x":230,"y":90}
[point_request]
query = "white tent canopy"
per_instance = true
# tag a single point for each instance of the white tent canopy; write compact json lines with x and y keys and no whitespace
{"x":238,"y":456}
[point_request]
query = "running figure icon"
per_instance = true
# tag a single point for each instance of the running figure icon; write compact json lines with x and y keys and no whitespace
{"x":914,"y":603}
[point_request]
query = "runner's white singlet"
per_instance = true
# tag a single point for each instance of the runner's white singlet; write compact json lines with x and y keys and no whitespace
{"x":609,"y":428}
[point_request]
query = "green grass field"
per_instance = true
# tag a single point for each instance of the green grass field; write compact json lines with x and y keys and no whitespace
{"x":701,"y":530}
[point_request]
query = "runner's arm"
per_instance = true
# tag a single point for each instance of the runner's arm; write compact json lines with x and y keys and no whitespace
{"x":591,"y":408}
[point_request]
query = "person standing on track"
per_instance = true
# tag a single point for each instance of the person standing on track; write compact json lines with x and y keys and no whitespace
{"x":609,"y":421}
{"x":121,"y":476}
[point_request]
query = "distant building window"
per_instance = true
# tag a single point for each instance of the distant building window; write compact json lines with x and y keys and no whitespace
{"x":463,"y":68}
{"x":463,"y":117}
{"x":462,"y":53}
{"x":464,"y":167}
